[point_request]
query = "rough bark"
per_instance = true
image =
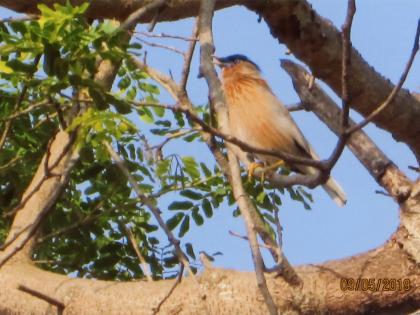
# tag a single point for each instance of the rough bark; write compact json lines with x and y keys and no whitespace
{"x":227,"y":291}
{"x":121,"y":9}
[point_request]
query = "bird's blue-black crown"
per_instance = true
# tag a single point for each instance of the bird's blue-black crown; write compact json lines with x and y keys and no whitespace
{"x":237,"y":58}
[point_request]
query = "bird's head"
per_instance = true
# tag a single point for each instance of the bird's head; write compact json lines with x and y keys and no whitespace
{"x":236,"y":65}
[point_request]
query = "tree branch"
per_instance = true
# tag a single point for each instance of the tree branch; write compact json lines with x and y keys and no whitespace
{"x":217,"y":100}
{"x":381,"y":168}
{"x":315,"y":41}
{"x":134,"y":244}
{"x":396,"y":88}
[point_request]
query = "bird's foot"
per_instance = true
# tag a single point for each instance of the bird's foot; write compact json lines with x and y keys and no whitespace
{"x":279,"y":163}
{"x":251,"y":170}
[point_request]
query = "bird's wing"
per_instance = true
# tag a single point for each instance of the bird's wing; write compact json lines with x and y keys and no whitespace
{"x":285,"y":124}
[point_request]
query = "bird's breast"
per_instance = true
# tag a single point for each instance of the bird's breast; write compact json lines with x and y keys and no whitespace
{"x":254,"y":116}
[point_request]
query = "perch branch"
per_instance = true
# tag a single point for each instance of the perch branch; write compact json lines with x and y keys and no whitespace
{"x":217,"y":99}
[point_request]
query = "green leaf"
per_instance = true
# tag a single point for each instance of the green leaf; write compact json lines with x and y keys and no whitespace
{"x":163,"y":167}
{"x":98,"y":98}
{"x":107,"y":262}
{"x":198,"y":219}
{"x":179,"y":118}
{"x":207,"y":208}
{"x":51,"y":54}
{"x":185,"y":226}
{"x":174,"y":221}
{"x":190,"y":250}
{"x":146,"y":115}
{"x":191,"y":167}
{"x":191,"y":194}
{"x":180,"y":205}
{"x":124,"y":83}
{"x":4,"y":68}
{"x":20,"y":66}
{"x":159,"y":111}
{"x":205,"y":169}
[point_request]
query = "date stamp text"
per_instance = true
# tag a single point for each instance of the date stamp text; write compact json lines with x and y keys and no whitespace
{"x":375,"y":284}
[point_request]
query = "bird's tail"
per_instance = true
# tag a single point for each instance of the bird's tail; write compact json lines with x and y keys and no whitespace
{"x":332,"y":188}
{"x":335,"y":191}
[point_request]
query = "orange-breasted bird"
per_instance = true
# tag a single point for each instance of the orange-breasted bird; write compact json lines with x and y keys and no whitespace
{"x":258,"y":118}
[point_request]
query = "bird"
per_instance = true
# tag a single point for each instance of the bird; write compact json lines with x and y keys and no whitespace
{"x":258,"y":118}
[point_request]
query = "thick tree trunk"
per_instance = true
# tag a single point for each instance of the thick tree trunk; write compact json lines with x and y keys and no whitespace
{"x":228,"y":291}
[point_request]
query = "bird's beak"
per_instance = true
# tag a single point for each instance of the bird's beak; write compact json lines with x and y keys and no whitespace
{"x":218,"y":62}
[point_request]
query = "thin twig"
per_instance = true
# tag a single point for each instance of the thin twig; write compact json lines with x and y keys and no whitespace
{"x":48,"y":298}
{"x":279,"y":228}
{"x":149,"y":204}
{"x":396,"y":88}
{"x":10,"y":163}
{"x":175,"y":135}
{"x":345,"y":97}
{"x":187,"y":59}
{"x":91,"y":217}
{"x":27,"y":110}
{"x":381,"y":192}
{"x":143,"y":262}
{"x":8,"y":124}
{"x":166,"y":297}
{"x":414,"y":168}
{"x":296,"y":107}
{"x":135,"y":17}
{"x":170,"y":48}
{"x":164,"y":35}
{"x":18,"y":19}
{"x":155,"y":19}
{"x":247,"y":239}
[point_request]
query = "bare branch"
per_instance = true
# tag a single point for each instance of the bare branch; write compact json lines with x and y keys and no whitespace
{"x":246,"y":238}
{"x":50,"y":299}
{"x":170,"y":48}
{"x":345,"y":97}
{"x":27,"y":110}
{"x":25,"y":224}
{"x":296,"y":107}
{"x":187,"y":59}
{"x":164,"y":35}
{"x":396,"y":88}
{"x":381,"y":168}
{"x":150,"y":205}
{"x":18,"y":19}
{"x":8,"y":124}
{"x":90,"y":218}
{"x":135,"y":17}
{"x":217,"y":99}
{"x":166,"y":297}
{"x":134,"y":244}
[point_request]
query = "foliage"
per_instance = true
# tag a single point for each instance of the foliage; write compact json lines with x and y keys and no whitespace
{"x":47,"y":69}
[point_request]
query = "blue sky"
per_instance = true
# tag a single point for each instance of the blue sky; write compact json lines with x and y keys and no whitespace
{"x":383,"y":32}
